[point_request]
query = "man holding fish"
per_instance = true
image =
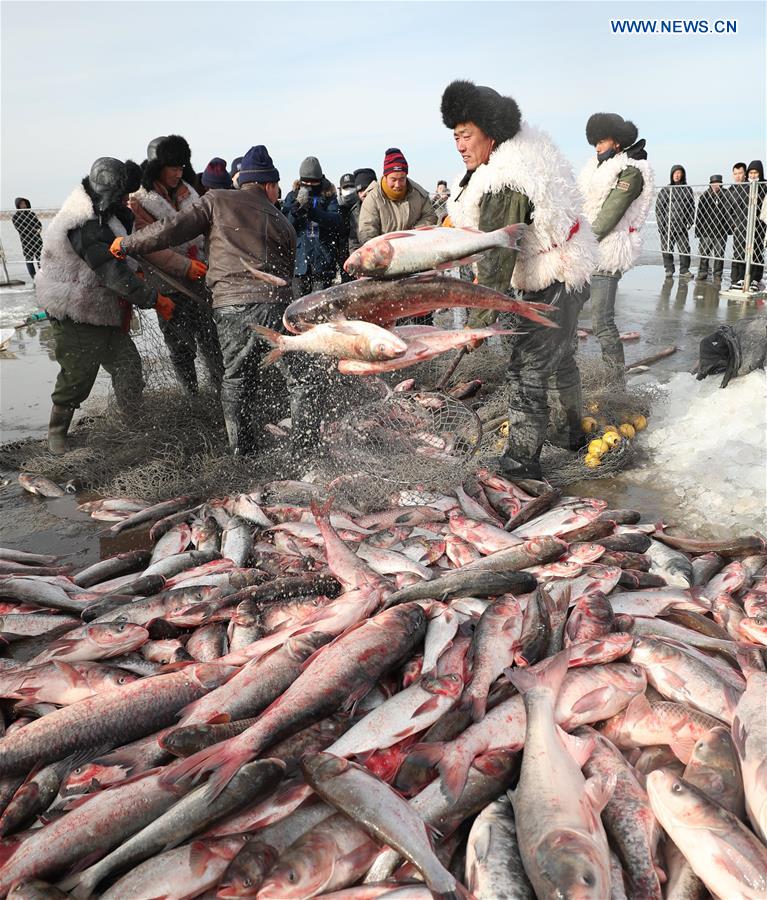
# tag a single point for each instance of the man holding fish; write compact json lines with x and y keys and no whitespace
{"x":515,"y":174}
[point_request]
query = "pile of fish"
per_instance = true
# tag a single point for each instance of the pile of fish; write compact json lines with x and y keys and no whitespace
{"x":505,"y":693}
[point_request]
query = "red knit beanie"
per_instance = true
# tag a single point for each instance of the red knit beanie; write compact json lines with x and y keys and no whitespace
{"x":394,"y":161}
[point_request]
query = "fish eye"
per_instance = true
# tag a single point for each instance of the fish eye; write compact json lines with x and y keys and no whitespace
{"x":636,"y":670}
{"x":292,"y":877}
{"x":121,"y":679}
{"x":588,"y":879}
{"x":247,"y":882}
{"x":677,"y":788}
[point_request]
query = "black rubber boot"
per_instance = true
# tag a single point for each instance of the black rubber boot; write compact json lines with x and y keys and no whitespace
{"x":58,"y":426}
{"x":238,"y":425}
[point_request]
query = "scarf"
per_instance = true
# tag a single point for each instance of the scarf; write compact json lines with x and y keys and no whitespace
{"x":396,"y":196}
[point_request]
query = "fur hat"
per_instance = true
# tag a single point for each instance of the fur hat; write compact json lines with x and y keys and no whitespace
{"x":498,"y":116}
{"x":172,"y":150}
{"x":601,"y":126}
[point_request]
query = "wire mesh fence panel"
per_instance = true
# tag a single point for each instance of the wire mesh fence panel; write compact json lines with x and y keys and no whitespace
{"x":22,"y":232}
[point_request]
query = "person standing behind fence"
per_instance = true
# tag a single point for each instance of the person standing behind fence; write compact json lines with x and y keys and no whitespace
{"x":88,"y":295}
{"x":241,"y":225}
{"x":674,"y":214}
{"x":30,"y":229}
{"x":162,"y":194}
{"x":712,"y":225}
{"x":737,"y":210}
{"x":756,"y":173}
{"x":617,"y":185}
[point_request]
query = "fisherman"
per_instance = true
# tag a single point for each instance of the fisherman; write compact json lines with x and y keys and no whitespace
{"x":617,"y":184}
{"x":239,"y":225}
{"x":163,"y":192}
{"x":511,"y":170}
{"x":312,"y":210}
{"x":88,"y":295}
{"x":396,"y":202}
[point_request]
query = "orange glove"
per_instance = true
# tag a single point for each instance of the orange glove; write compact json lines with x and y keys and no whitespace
{"x":196,"y":270}
{"x":164,"y":307}
{"x":447,"y":222}
{"x":116,"y":249}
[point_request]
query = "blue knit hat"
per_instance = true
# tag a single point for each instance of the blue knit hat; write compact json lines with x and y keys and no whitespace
{"x":257,"y":166}
{"x":236,"y":166}
{"x":216,"y":175}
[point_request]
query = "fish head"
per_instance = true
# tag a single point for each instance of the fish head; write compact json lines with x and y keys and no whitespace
{"x":246,"y":874}
{"x":628,"y":678}
{"x":90,"y":777}
{"x":303,"y":870}
{"x":570,"y":867}
{"x":118,"y":635}
{"x":101,"y":678}
{"x":675,"y":800}
{"x":323,"y":766}
{"x":375,"y":257}
{"x":445,"y":685}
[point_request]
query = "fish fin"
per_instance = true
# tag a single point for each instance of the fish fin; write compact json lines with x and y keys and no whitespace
{"x":593,"y":700}
{"x":673,"y":679}
{"x":221,"y":761}
{"x":454,"y":263}
{"x":219,"y":719}
{"x":358,"y":694}
{"x":637,"y":709}
{"x":547,"y":674}
{"x":682,"y":748}
{"x":199,"y":857}
{"x":478,"y":707}
{"x":427,"y":755}
{"x":426,"y":706}
{"x":599,"y":790}
{"x":271,"y":357}
{"x":580,"y":748}
{"x":513,"y":233}
{"x":454,"y":771}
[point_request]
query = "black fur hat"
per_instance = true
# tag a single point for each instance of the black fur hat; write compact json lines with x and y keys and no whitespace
{"x":610,"y":125}
{"x":498,"y":116}
{"x":172,"y":150}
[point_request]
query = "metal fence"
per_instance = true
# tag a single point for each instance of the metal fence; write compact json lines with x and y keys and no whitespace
{"x":720,"y":230}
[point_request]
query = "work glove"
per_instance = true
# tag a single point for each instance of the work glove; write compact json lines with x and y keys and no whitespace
{"x":115,"y":248}
{"x":196,"y":270}
{"x":164,"y":307}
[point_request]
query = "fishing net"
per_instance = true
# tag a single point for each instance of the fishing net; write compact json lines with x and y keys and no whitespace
{"x":416,"y":444}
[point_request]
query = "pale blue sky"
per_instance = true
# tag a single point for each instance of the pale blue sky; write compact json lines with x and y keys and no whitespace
{"x":344,"y":81}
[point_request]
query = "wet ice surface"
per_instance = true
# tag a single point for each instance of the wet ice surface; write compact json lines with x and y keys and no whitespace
{"x":706,"y":448}
{"x":682,"y":451}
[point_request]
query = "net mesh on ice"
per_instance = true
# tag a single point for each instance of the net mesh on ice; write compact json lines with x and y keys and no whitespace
{"x":380,"y":443}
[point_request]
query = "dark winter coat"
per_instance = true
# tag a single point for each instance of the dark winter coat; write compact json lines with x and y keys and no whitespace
{"x":318,"y":233}
{"x":239,"y":225}
{"x":29,"y":228}
{"x":712,"y":218}
{"x":737,"y":209}
{"x":675,"y":206}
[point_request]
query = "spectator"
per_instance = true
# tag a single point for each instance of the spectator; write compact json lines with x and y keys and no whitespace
{"x":712,"y":226}
{"x":215,"y":176}
{"x":737,"y":208}
{"x":29,"y":228}
{"x":313,"y":211}
{"x":162,"y":194}
{"x":347,"y":200}
{"x":439,"y":201}
{"x":756,"y":173}
{"x":395,"y":203}
{"x":236,"y":166}
{"x":363,"y":178}
{"x":674,"y":214}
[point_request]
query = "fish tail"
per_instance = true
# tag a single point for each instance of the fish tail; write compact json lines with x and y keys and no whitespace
{"x":548,"y":674}
{"x":274,"y":339}
{"x":220,"y":760}
{"x":513,"y":234}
